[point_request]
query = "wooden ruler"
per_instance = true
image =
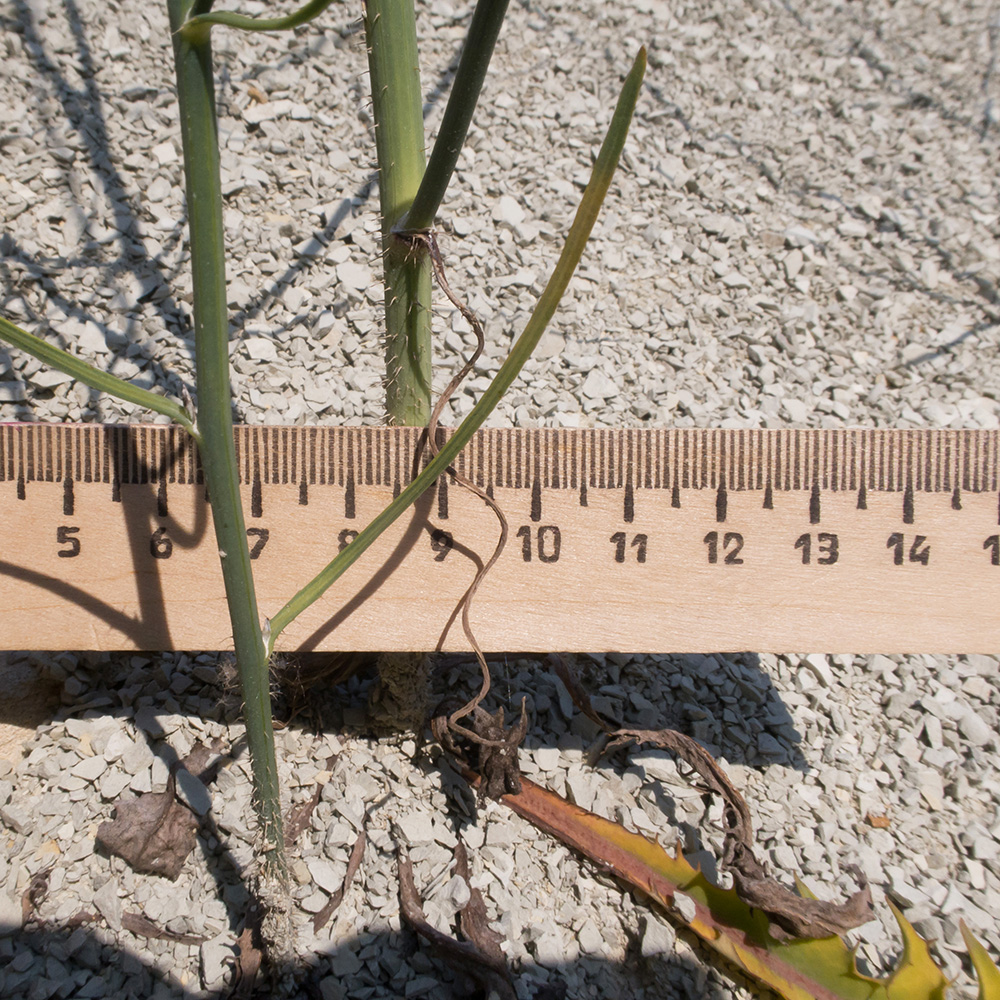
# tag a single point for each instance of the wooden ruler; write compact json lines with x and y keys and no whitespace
{"x":632,"y":540}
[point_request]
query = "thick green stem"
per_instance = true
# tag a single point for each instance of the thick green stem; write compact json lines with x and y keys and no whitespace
{"x":196,"y":97}
{"x":391,"y":33}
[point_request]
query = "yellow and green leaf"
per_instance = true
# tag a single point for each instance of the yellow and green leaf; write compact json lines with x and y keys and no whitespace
{"x":795,"y":968}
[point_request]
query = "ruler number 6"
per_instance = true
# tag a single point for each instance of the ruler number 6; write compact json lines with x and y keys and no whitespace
{"x":920,"y":551}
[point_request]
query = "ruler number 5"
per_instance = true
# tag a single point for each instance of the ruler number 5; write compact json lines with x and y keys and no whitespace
{"x":64,"y":536}
{"x":920,"y":551}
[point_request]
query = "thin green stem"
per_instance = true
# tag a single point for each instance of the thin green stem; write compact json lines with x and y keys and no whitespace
{"x":583,"y":223}
{"x":232,"y":20}
{"x":484,"y":29}
{"x":196,"y":97}
{"x":390,"y":30}
{"x":56,"y":357}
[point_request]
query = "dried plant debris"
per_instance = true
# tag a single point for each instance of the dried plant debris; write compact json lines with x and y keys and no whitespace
{"x":156,"y":831}
{"x":333,"y":903}
{"x":34,"y":895}
{"x":496,"y":747}
{"x":794,"y":914}
{"x":473,"y":922}
{"x":480,"y":956}
{"x":144,"y":927}
{"x":299,"y":815}
{"x":250,"y":947}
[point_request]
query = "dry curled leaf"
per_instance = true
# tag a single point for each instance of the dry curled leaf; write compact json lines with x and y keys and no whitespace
{"x":801,"y":917}
{"x":156,"y":831}
{"x":794,"y":914}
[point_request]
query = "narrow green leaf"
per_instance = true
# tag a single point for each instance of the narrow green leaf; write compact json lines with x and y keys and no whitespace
{"x":232,"y":20}
{"x":65,"y":362}
{"x":484,"y":30}
{"x":590,"y":205}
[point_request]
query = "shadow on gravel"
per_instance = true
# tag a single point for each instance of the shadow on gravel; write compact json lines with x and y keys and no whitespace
{"x":382,"y":963}
{"x":386,"y":966}
{"x":82,"y":128}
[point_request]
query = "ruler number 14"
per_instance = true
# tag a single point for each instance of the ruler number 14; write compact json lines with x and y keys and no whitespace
{"x":920,"y":551}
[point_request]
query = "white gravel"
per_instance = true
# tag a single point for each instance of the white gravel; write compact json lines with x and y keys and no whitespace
{"x":804,"y":232}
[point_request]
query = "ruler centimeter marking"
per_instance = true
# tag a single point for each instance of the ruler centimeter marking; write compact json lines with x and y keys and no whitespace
{"x":650,"y":540}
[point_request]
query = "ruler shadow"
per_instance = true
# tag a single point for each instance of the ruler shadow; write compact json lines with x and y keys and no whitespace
{"x":419,"y":522}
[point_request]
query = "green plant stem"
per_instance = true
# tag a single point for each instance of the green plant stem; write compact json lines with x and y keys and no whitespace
{"x":56,"y":357}
{"x":390,"y":30}
{"x":576,"y":241}
{"x":484,"y":30}
{"x":305,"y":13}
{"x":196,"y":96}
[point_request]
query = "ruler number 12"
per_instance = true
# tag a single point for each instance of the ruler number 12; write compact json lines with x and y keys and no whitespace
{"x":732,"y":545}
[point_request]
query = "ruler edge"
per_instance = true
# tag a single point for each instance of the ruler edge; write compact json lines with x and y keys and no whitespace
{"x":738,"y":459}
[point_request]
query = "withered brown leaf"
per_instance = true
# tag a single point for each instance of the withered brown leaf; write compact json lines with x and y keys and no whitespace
{"x":156,"y":831}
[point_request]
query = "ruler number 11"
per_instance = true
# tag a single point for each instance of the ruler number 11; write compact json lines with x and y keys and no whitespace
{"x":619,"y":539}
